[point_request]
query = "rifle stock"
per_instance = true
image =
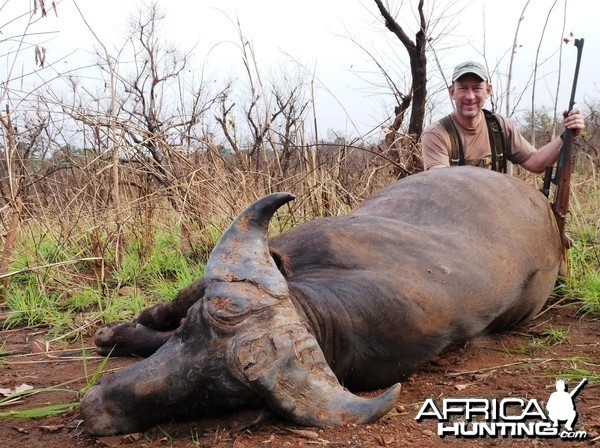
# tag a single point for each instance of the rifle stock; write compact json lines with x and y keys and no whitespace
{"x":564,"y":165}
{"x":564,"y":168}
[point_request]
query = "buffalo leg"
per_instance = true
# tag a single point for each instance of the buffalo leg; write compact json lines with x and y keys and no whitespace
{"x":168,"y":316}
{"x":129,"y":339}
{"x":151,"y":328}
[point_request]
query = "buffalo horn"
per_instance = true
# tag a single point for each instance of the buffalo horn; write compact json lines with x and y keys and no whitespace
{"x":242,"y":253}
{"x":288,"y":369}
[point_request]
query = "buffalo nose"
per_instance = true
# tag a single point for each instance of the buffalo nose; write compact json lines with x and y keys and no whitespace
{"x":97,"y":415}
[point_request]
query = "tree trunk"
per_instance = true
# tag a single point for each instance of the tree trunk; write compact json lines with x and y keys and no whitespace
{"x":418,"y":65}
{"x":418,"y":68}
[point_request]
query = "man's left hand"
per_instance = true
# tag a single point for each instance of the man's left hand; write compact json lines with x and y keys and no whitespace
{"x":574,"y":121}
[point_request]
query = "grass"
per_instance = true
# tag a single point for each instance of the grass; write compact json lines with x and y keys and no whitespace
{"x":67,"y":275}
{"x":577,"y":369}
{"x":583,"y":285}
{"x":45,"y":411}
{"x":588,"y":291}
{"x":555,"y":336}
{"x":64,"y":297}
{"x":577,"y":374}
{"x":91,"y":379}
{"x":549,"y":336}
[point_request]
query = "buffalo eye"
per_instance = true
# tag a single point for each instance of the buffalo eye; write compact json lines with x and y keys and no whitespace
{"x":228,"y":309}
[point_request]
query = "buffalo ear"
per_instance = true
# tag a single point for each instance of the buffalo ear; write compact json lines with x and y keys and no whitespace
{"x":287,"y":368}
{"x":282,"y":262}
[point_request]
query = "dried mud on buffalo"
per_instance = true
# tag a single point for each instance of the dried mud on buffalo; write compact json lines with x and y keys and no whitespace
{"x":523,"y":363}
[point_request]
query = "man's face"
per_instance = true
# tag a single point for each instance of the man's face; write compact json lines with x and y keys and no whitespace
{"x":469,"y":93}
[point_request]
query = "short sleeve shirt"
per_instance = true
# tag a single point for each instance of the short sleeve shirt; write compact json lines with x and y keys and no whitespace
{"x":435,"y":143}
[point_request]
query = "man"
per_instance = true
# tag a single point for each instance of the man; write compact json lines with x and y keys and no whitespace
{"x":560,"y":406}
{"x":469,"y":90}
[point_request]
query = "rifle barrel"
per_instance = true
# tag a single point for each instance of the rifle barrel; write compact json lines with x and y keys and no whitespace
{"x":579,"y":46}
{"x":579,"y":386}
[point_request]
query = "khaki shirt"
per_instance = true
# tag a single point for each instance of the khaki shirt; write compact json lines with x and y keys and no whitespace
{"x":435,"y":143}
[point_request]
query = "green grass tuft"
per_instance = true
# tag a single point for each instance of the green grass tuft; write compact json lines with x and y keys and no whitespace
{"x":40,"y":412}
{"x":43,"y":411}
{"x":66,"y":297}
{"x":583,"y":285}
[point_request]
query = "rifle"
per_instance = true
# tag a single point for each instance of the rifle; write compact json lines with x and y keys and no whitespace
{"x":564,"y":165}
{"x":579,"y":386}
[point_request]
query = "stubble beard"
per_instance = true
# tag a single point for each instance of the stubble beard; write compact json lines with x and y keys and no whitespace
{"x":470,"y":111}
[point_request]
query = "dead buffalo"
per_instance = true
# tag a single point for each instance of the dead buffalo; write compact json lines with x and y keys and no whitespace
{"x":351,"y":302}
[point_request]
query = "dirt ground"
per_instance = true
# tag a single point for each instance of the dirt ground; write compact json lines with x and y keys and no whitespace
{"x":523,"y":364}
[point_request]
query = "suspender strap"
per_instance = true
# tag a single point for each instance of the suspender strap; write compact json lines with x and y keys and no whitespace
{"x":497,"y":142}
{"x":456,"y":153}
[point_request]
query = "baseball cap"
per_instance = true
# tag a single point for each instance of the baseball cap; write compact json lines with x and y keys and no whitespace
{"x":470,"y":67}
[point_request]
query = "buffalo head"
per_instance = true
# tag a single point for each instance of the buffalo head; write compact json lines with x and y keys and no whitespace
{"x":242,"y":345}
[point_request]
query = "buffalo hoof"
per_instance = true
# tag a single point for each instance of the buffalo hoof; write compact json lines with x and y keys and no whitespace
{"x":129,"y":339}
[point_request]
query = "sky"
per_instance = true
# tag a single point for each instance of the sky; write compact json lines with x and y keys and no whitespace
{"x":334,"y":42}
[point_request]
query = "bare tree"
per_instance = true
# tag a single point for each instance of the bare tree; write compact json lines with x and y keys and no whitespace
{"x":19,"y":133}
{"x":416,"y":50}
{"x":536,"y":66}
{"x":512,"y":58}
{"x":149,"y":116}
{"x":403,"y":148}
{"x":560,"y":59}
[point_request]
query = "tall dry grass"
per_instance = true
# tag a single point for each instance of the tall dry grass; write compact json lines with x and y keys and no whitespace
{"x":68,"y":193}
{"x":89,"y":172}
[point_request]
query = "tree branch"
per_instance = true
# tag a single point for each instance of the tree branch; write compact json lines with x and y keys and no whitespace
{"x":394,"y":27}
